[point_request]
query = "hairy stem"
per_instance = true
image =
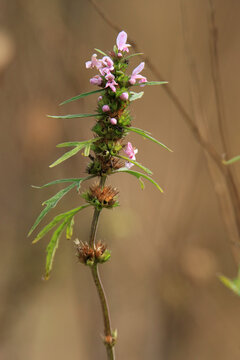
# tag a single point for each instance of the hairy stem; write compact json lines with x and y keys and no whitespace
{"x":99,"y":286}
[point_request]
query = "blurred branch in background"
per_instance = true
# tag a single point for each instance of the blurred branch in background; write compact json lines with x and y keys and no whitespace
{"x":226,"y":191}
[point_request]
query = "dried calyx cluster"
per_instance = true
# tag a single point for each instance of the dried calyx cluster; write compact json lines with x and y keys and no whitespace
{"x":88,"y":255}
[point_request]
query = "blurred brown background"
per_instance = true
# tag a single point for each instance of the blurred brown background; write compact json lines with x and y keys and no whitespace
{"x":165,"y":298}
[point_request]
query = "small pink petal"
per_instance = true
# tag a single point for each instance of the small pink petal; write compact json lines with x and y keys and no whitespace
{"x":139,"y":68}
{"x":121,"y":39}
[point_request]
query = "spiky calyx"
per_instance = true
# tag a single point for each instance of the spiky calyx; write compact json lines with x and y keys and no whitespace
{"x":90,"y":256}
{"x":100,"y":198}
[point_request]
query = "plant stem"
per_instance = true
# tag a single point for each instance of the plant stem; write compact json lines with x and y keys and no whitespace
{"x":99,"y":285}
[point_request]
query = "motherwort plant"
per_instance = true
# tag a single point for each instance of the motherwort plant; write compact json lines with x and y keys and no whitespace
{"x":109,"y":153}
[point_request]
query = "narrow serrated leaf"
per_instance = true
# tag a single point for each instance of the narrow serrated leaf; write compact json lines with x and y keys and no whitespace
{"x":77,"y":143}
{"x":138,"y":175}
{"x":52,"y":248}
{"x":135,"y":96}
{"x":67,"y":155}
{"x":56,"y":220}
{"x":231,"y":161}
{"x":87,"y":150}
{"x":50,"y":204}
{"x":135,"y":163}
{"x":101,"y":52}
{"x":69,"y":229}
{"x":146,"y":135}
{"x":130,"y":56}
{"x":77,"y":97}
{"x":151,"y":83}
{"x":61,"y":181}
{"x":73,"y":116}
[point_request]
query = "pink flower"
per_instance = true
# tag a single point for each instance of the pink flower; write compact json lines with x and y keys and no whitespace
{"x":121,"y":41}
{"x":113,"y":121}
{"x":135,"y":74}
{"x":105,"y":71}
{"x":100,"y":98}
{"x":124,"y":96}
{"x":105,"y":108}
{"x":131,"y":152}
{"x":96,"y":80}
{"x":94,"y":62}
{"x":111,"y":82}
{"x":107,"y":61}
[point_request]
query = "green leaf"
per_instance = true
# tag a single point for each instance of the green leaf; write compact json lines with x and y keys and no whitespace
{"x":87,"y":150}
{"x":50,"y":204}
{"x":136,"y":54}
{"x":146,"y":135}
{"x":231,"y":161}
{"x":138,"y":175}
{"x":77,"y":97}
{"x":135,"y":163}
{"x":67,"y":155}
{"x":69,"y":229}
{"x":61,"y":181}
{"x":233,"y":284}
{"x":101,"y":52}
{"x":77,"y":143}
{"x":151,"y":83}
{"x":52,"y":248}
{"x":73,"y":116}
{"x":64,"y":216}
{"x":135,"y":96}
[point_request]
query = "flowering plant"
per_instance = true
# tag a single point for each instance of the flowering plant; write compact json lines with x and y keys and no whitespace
{"x":108,"y":154}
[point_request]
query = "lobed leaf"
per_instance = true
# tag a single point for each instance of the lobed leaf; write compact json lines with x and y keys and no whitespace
{"x":67,"y":215}
{"x":72,"y":116}
{"x":135,"y":163}
{"x":231,"y":161}
{"x":146,"y":135}
{"x":52,"y":248}
{"x":80,"y":96}
{"x":60,"y":181}
{"x":135,"y":96}
{"x":50,"y":204}
{"x":139,"y":175}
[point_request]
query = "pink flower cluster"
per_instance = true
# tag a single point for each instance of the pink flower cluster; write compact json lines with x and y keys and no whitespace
{"x":131,"y":152}
{"x":106,"y":65}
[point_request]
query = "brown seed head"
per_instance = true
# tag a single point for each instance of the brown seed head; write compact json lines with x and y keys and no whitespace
{"x":106,"y":195}
{"x":99,"y":249}
{"x":84,"y":252}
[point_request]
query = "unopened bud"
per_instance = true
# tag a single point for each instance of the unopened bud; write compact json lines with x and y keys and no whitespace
{"x":124,"y":96}
{"x":113,"y":121}
{"x":105,"y":108}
